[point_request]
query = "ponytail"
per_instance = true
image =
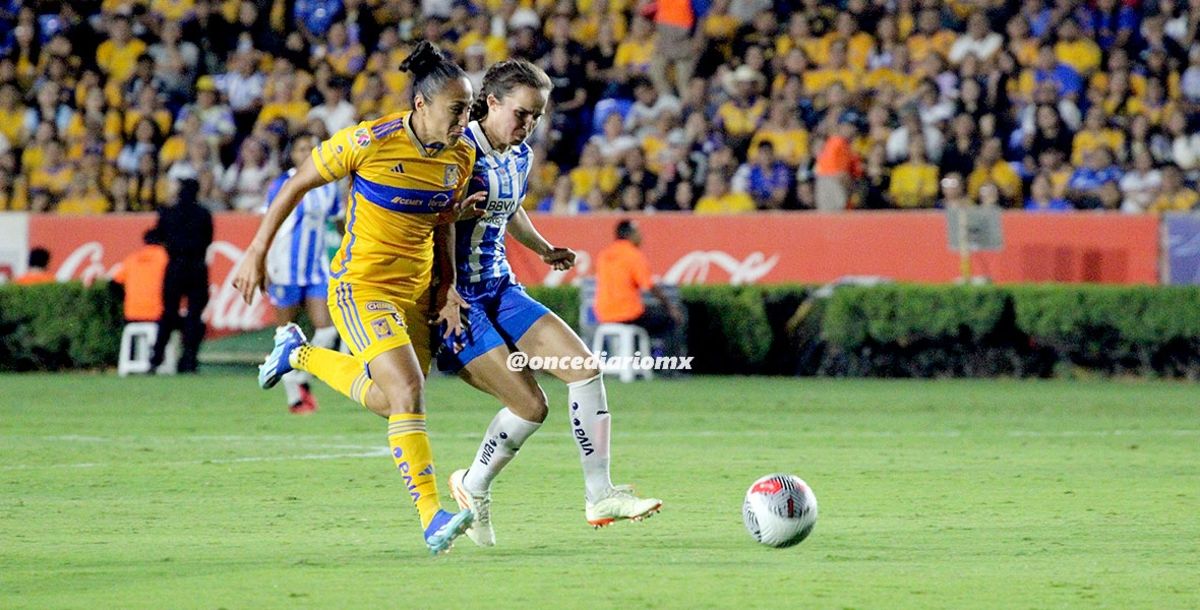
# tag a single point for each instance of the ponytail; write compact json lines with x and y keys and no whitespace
{"x":431,"y":69}
{"x":502,"y":78}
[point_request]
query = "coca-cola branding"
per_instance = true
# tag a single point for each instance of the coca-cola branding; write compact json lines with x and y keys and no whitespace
{"x":694,"y":267}
{"x":88,"y":249}
{"x":226,"y":310}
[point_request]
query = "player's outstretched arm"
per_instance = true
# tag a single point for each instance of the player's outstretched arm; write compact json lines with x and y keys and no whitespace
{"x":250,"y":276}
{"x":521,"y":228}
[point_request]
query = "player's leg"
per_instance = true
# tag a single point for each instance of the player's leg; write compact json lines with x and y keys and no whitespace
{"x":324,"y":335}
{"x":404,"y":391}
{"x":377,"y":328}
{"x":589,"y":415}
{"x":343,"y":372}
{"x":483,"y":362}
{"x":286,"y":300}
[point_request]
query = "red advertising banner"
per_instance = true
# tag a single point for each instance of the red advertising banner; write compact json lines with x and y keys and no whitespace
{"x":819,"y":248}
{"x":685,"y":249}
{"x":87,"y":248}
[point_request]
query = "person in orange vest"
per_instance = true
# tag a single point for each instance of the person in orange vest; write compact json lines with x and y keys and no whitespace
{"x":622,"y":273}
{"x":675,"y":44}
{"x":837,"y":168}
{"x":39,"y":269}
{"x":141,"y":274}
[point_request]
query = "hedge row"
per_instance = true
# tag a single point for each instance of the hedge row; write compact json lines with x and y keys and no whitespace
{"x":923,"y":331}
{"x":895,"y":330}
{"x":934,"y":331}
{"x":58,"y":326}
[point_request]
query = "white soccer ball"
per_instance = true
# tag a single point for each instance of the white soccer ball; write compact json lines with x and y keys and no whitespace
{"x":780,"y":510}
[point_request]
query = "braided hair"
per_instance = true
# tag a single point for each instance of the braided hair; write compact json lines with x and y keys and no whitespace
{"x":502,"y":78}
{"x":431,"y":69}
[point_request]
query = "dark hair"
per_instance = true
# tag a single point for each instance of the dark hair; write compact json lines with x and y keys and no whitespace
{"x":639,"y":81}
{"x":153,"y":236}
{"x":156,"y":138}
{"x":505,"y":76}
{"x":188,"y":193}
{"x":625,"y":229}
{"x":39,"y":257}
{"x":431,"y":69}
{"x":287,"y":149}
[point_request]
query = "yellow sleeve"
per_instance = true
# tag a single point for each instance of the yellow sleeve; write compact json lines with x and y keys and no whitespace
{"x":975,"y":181}
{"x":1078,"y":144}
{"x":344,"y":151}
{"x":104,"y":55}
{"x":898,"y":181}
{"x":743,"y":203}
{"x":624,"y":55}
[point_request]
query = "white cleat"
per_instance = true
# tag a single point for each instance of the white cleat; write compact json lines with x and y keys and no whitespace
{"x":618,"y":504}
{"x":480,"y":532}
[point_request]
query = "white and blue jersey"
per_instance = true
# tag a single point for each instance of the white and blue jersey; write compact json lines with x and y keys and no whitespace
{"x":505,"y":178}
{"x":299,"y":256}
{"x":501,"y":311}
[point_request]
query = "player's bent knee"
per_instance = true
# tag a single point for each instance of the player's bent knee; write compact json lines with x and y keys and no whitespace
{"x":407,"y":398}
{"x":539,"y":408}
{"x":534,"y":407}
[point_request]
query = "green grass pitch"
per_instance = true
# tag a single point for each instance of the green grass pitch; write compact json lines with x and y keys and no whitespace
{"x":203,"y":492}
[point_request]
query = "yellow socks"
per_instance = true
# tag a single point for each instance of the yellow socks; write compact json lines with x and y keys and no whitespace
{"x":414,"y":458}
{"x":339,"y":371}
{"x":406,"y":431}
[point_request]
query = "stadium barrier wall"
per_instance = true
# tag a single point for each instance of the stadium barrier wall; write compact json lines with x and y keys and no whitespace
{"x":902,"y":330}
{"x":809,"y":248}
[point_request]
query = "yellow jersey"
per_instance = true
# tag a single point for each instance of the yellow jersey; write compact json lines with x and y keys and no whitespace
{"x":729,"y":203}
{"x":397,"y":187}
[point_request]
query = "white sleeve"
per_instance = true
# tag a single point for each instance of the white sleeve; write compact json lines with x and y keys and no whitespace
{"x":959,"y":50}
{"x":741,"y":179}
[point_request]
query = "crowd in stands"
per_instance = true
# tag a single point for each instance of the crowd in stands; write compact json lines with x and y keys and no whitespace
{"x":712,"y":106}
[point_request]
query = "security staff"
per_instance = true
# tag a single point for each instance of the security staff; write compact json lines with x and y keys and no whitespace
{"x":187,"y":231}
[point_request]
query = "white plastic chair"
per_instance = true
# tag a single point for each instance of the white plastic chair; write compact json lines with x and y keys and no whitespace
{"x":628,"y":340}
{"x":137,"y":344}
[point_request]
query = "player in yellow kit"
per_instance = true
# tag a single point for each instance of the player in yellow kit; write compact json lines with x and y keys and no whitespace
{"x":408,"y":173}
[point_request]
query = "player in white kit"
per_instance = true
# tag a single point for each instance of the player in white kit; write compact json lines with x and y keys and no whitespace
{"x":298,"y":267}
{"x":503,"y":317}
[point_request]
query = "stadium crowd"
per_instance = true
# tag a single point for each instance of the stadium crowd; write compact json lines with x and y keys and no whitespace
{"x":706,"y":105}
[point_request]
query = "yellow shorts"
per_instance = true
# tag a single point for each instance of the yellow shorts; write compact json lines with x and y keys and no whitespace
{"x":372,"y":320}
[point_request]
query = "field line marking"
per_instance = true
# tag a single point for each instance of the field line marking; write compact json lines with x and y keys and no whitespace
{"x":374,"y":453}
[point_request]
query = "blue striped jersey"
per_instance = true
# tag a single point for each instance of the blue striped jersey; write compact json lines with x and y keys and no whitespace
{"x":299,"y":256}
{"x":479,"y":247}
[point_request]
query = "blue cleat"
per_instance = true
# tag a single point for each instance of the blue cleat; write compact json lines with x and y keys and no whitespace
{"x":445,"y":527}
{"x":287,"y":338}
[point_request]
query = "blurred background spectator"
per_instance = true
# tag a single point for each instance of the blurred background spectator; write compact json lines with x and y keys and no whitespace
{"x":38,"y":270}
{"x":102,"y":104}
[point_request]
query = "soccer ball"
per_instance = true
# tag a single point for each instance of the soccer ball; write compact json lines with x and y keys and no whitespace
{"x":780,"y":510}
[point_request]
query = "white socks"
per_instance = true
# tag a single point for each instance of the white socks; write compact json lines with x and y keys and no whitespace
{"x":590,"y":427}
{"x":325,"y":337}
{"x":291,"y":385}
{"x":322,"y":337}
{"x":503,"y":439}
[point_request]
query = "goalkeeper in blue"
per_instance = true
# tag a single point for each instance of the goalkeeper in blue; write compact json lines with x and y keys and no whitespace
{"x":502,"y":316}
